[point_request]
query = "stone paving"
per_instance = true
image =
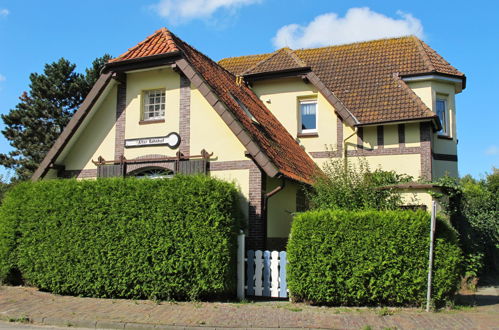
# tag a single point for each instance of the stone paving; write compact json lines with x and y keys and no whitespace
{"x":24,"y":304}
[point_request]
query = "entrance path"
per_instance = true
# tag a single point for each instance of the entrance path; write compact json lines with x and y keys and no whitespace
{"x":23,"y":304}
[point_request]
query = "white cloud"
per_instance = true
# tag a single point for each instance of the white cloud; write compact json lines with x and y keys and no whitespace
{"x":492,"y":151}
{"x":359,"y":24}
{"x":2,"y":78}
{"x":4,"y":12}
{"x":185,"y":10}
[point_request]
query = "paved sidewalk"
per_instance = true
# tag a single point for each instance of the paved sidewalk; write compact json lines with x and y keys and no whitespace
{"x":18,"y":304}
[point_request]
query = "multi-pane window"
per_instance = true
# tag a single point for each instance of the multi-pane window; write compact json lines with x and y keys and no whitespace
{"x":154,"y":104}
{"x":441,"y":106}
{"x":308,"y":116}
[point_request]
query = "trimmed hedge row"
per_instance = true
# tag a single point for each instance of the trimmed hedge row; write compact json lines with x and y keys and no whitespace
{"x":160,"y":239}
{"x":370,"y":258}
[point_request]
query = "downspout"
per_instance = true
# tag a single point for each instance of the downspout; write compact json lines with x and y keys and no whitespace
{"x":345,"y":152}
{"x":266,"y":199}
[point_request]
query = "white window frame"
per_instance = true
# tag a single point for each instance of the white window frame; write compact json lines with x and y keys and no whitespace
{"x":445,"y":123}
{"x":145,"y":103}
{"x":310,"y":130}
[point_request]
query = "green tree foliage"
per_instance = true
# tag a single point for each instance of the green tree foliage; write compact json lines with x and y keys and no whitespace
{"x":42,"y":113}
{"x":354,"y":187}
{"x":339,"y":257}
{"x":473,"y":208}
{"x":132,"y":238}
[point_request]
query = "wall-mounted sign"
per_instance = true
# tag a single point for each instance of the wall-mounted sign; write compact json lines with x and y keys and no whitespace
{"x":172,"y":140}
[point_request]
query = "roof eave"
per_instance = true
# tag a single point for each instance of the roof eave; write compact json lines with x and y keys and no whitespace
{"x":434,"y":119}
{"x":142,"y":62}
{"x":277,"y":74}
{"x":73,"y":125}
{"x":435,"y":75}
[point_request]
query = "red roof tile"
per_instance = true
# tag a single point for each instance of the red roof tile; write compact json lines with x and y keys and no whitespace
{"x":160,"y":42}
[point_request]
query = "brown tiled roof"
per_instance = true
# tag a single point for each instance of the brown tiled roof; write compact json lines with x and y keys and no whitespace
{"x":283,"y":59}
{"x":267,"y":132}
{"x":365,"y":76}
{"x":160,"y":42}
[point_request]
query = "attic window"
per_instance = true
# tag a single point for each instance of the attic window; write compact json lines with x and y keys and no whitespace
{"x":244,"y":108}
{"x":154,"y":104}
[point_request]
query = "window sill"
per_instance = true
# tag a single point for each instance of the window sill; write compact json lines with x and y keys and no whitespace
{"x":154,"y":121}
{"x":445,"y":137}
{"x":308,"y":135}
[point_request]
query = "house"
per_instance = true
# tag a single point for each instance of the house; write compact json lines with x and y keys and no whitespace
{"x":265,"y":121}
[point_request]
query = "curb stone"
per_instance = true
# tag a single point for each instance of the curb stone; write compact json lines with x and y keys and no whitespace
{"x":110,"y":325}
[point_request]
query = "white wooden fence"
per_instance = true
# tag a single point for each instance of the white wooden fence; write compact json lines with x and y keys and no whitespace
{"x":261,"y":273}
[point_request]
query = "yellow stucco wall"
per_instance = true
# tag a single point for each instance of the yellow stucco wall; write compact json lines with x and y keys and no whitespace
{"x":209,"y":131}
{"x":241,"y":179}
{"x":429,"y":91}
{"x":391,"y":136}
{"x":282,"y":97}
{"x":370,"y":137}
{"x":401,"y":164}
{"x":412,"y":135}
{"x":137,"y":83}
{"x":97,"y":139}
{"x":280,"y":208}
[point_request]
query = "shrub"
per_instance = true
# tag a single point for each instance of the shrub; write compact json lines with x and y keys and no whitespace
{"x":131,"y":238}
{"x":473,"y":208}
{"x":342,"y":257}
{"x":354,"y":187}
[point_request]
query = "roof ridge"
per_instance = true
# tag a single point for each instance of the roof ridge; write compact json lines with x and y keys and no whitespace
{"x":426,"y":58}
{"x":164,"y":32}
{"x":261,"y":62}
{"x":357,"y":43}
{"x":295,"y":57}
{"x":174,"y":36}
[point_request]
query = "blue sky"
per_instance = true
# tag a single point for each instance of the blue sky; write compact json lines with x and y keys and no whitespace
{"x":465,"y":33}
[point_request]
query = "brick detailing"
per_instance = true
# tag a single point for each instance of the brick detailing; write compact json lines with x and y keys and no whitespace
{"x":368,"y":152}
{"x":339,"y":135}
{"x":338,"y":152}
{"x":79,"y":174}
{"x":426,"y":156}
{"x":230,"y":165}
{"x":360,"y":138}
{"x":119,"y":142}
{"x":185,"y":115}
{"x":381,"y":137}
{"x":401,"y":129}
{"x":166,"y":164}
{"x":257,"y":229}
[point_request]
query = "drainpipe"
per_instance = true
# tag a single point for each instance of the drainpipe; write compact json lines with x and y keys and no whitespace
{"x":265,"y":202}
{"x":345,"y":152}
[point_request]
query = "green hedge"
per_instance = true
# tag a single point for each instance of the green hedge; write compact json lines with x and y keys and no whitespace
{"x":370,"y":258}
{"x":132,"y":238}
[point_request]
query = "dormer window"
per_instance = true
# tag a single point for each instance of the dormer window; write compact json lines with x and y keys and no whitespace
{"x":308,"y":116}
{"x":154,"y":104}
{"x":443,"y":113}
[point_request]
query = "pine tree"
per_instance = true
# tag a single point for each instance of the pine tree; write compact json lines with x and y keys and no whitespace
{"x":42,"y":113}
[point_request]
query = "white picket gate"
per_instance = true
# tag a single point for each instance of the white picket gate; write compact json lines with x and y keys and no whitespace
{"x":261,"y":273}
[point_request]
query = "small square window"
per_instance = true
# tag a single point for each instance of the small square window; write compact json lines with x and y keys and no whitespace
{"x":442,"y":113}
{"x":308,"y":116}
{"x":154,"y":104}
